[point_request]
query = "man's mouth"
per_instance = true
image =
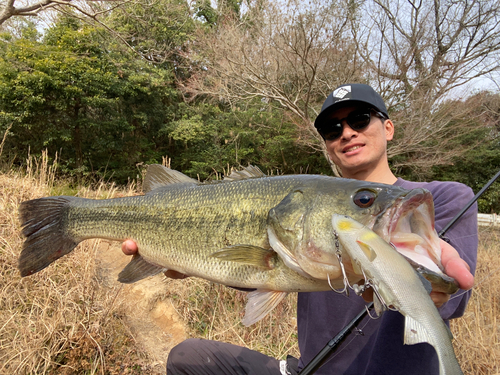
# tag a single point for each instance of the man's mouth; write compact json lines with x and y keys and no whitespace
{"x":346,"y":150}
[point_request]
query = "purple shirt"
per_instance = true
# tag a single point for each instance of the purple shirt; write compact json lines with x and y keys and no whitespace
{"x":379,"y":349}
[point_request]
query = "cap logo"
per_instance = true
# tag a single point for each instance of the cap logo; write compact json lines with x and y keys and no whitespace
{"x":341,"y":92}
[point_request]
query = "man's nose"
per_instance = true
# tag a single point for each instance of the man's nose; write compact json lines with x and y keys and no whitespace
{"x":347,"y":131}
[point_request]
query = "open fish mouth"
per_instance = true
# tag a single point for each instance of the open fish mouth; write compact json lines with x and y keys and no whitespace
{"x":409,"y":226}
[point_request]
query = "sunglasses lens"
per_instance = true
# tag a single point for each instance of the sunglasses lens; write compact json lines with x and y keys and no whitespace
{"x":359,"y":121}
{"x":332,"y":132}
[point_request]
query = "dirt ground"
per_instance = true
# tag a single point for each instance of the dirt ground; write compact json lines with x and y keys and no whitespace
{"x":156,"y":325}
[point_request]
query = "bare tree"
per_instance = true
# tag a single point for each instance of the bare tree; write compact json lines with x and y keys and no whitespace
{"x":8,"y":9}
{"x":419,"y":54}
{"x":290,"y":55}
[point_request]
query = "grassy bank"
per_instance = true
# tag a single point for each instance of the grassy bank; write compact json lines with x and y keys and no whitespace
{"x":64,"y":320}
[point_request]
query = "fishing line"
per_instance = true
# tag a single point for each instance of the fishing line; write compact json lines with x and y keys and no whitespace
{"x":476,"y":285}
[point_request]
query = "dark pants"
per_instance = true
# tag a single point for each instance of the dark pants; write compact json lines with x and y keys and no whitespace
{"x":206,"y":357}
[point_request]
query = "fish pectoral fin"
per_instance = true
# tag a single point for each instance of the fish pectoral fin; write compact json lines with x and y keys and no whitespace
{"x":367,"y":250}
{"x":159,"y":176}
{"x":260,"y":303}
{"x":247,"y":254}
{"x":138,"y":269}
{"x":415,"y":333}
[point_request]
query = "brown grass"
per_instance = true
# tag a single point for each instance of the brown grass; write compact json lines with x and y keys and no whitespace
{"x":63,"y":320}
{"x":59,"y":320}
{"x":477,"y":334}
{"x":214,"y":312}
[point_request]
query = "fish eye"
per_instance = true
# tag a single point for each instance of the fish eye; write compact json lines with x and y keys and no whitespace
{"x":364,"y":198}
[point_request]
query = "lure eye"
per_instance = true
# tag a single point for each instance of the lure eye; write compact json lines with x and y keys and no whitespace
{"x":364,"y":198}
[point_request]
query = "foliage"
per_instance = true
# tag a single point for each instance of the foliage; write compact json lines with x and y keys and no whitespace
{"x":210,"y":139}
{"x":288,"y":55}
{"x":214,"y":85}
{"x":482,"y":160}
{"x":418,"y":54}
{"x":75,"y":94}
{"x":156,"y":30}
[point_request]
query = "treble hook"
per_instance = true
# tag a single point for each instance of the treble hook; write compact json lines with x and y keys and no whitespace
{"x":359,"y":289}
{"x":370,"y":314}
{"x":344,"y":274}
{"x":340,"y":291}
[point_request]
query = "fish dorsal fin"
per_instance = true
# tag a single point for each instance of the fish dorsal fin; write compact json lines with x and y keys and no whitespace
{"x":260,"y":303}
{"x":415,"y":333}
{"x":244,"y":174}
{"x":159,"y":176}
{"x":248,"y":254}
{"x":138,"y":269}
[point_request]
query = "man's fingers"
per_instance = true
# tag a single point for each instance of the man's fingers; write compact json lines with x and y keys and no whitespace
{"x":456,"y":267}
{"x":459,"y":270}
{"x":448,"y":253}
{"x":129,"y":247}
{"x":439,"y":298}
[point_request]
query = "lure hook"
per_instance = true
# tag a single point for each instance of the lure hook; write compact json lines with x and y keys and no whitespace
{"x":338,"y":253}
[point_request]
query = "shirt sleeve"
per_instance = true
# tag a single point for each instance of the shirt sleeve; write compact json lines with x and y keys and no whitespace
{"x":449,"y":199}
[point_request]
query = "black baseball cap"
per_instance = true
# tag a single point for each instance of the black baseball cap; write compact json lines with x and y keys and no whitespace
{"x":350,"y":93}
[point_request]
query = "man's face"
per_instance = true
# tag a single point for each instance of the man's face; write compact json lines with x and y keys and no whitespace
{"x":361,"y":151}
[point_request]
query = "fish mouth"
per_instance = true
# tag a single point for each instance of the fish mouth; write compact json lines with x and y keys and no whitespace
{"x":409,"y":226}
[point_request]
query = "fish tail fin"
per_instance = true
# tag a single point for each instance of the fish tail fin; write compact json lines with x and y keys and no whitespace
{"x":416,"y":333}
{"x":43,"y":225}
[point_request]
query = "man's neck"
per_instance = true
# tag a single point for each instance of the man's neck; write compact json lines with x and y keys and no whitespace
{"x":384,"y":176}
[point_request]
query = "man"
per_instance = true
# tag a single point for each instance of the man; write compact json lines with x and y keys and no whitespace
{"x":356,"y":127}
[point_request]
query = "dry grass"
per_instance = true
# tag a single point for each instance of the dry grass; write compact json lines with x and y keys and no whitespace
{"x":59,"y":320}
{"x":63,"y":320}
{"x":214,"y":312}
{"x":477,"y":334}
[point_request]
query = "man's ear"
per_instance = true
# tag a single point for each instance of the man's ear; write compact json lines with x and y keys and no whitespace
{"x":389,"y":129}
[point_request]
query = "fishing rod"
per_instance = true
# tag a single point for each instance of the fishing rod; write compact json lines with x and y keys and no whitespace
{"x":473,"y":200}
{"x":333,"y":344}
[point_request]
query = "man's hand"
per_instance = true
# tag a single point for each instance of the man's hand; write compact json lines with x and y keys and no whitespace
{"x":129,"y":247}
{"x":455,"y":267}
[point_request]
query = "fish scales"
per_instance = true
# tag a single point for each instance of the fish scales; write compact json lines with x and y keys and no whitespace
{"x":180,"y":225}
{"x":273,"y":234}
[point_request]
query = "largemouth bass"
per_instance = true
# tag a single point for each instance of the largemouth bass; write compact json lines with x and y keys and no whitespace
{"x":396,"y":285}
{"x":219,"y":231}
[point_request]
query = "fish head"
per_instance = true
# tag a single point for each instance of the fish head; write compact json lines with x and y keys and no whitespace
{"x":409,"y":226}
{"x":300,"y":226}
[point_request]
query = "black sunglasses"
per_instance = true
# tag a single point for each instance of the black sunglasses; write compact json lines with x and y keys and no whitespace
{"x":357,"y":120}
